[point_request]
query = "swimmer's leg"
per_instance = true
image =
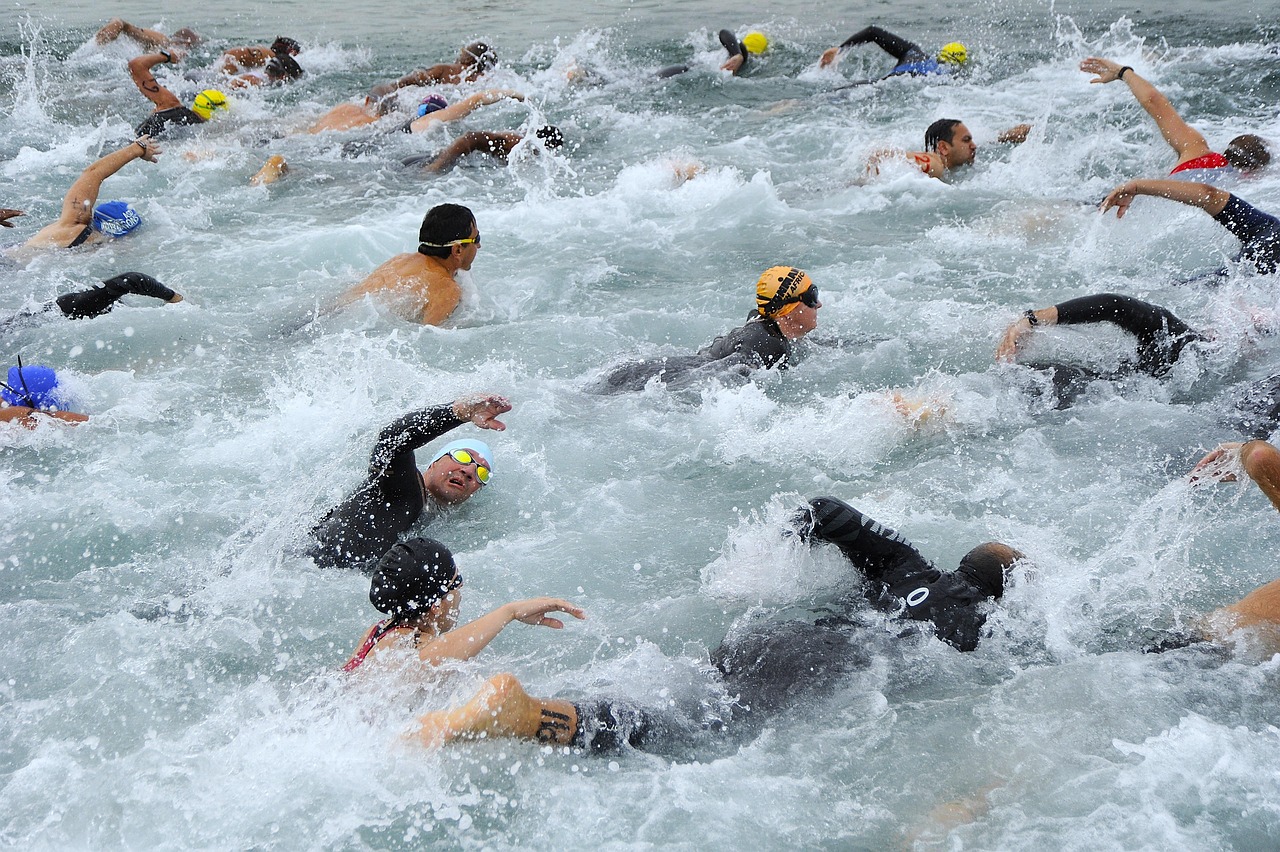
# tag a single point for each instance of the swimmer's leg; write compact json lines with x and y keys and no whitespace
{"x":500,"y":709}
{"x":272,"y":170}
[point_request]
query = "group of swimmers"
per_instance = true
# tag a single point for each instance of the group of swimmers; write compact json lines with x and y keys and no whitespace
{"x":416,"y":583}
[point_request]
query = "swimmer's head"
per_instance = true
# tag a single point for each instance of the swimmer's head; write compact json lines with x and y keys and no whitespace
{"x":781,"y":289}
{"x":755,"y":42}
{"x":208,"y":102}
{"x":282,"y":68}
{"x":551,"y":136}
{"x":285,"y":45}
{"x":430,"y":104}
{"x":954,"y":54}
{"x":412,"y":577}
{"x":479,"y":57}
{"x":442,"y":228}
{"x":1247,"y":152}
{"x":186,"y":37}
{"x":950,"y":138}
{"x":32,"y":386}
{"x":987,"y":566}
{"x":115,"y":218}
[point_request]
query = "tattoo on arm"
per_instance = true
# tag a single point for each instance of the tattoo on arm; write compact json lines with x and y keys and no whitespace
{"x":553,"y":727}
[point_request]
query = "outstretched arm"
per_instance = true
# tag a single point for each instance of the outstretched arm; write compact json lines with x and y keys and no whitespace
{"x":77,"y":205}
{"x":465,"y":642}
{"x":1185,"y":140}
{"x":497,"y":145}
{"x":463,"y":108}
{"x":1019,"y":329}
{"x":1210,"y":199}
{"x":140,"y":70}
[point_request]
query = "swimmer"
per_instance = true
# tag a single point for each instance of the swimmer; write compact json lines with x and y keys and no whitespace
{"x":146,"y":39}
{"x":436,"y":110}
{"x":29,"y":393}
{"x":1258,"y":232}
{"x":169,"y":111}
{"x":497,"y":146}
{"x":786,"y":310}
{"x":276,"y":61}
{"x":739,"y":53}
{"x":420,"y":285}
{"x":1244,"y":153}
{"x":902,"y":581}
{"x":80,"y":222}
{"x":395,"y":493}
{"x":948,"y":145}
{"x":911,"y":59}
{"x":474,"y":60}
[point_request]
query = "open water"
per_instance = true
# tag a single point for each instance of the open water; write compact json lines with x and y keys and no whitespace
{"x":169,"y":673}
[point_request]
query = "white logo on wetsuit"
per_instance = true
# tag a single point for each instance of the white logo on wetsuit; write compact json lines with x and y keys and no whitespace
{"x":918,"y":596}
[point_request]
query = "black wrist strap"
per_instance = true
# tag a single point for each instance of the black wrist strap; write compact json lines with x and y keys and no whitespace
{"x":1120,"y":73}
{"x":1031,"y":318}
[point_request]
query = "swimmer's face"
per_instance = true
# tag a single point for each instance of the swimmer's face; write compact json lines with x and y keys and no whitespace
{"x":444,"y":615}
{"x":961,"y":150}
{"x":468,"y":252}
{"x":800,"y":321}
{"x":451,"y":482}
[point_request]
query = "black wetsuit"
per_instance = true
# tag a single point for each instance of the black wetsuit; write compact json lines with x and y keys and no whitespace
{"x":1161,"y":335}
{"x":95,"y":301}
{"x":900,"y":580}
{"x":1258,"y":232}
{"x":757,"y":344}
{"x":731,"y":44}
{"x":911,"y":59}
{"x":364,"y":526}
{"x":159,"y":122}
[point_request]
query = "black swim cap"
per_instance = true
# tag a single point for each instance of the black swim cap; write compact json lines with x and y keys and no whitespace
{"x":412,"y":577}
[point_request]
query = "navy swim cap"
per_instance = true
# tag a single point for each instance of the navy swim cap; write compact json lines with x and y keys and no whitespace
{"x":115,"y":218}
{"x":412,"y":577}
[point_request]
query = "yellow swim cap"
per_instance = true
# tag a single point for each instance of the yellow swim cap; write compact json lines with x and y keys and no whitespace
{"x":955,"y":53}
{"x":208,"y":101}
{"x":755,"y":42}
{"x":777,"y":289}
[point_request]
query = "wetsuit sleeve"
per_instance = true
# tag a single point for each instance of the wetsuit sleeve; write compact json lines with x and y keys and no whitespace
{"x":410,"y":432}
{"x":1258,"y":232}
{"x":1161,"y":335}
{"x":874,"y":548}
{"x":897,"y":47}
{"x":99,"y":300}
{"x":756,"y":344}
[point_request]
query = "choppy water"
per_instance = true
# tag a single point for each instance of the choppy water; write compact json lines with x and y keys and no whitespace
{"x":170,"y":668}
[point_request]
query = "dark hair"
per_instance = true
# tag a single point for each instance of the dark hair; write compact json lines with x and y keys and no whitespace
{"x":942,"y":130}
{"x":550,"y":136}
{"x":1247,"y":152}
{"x":282,"y":67}
{"x":987,"y":566}
{"x":443,"y":224}
{"x":485,"y":56}
{"x":284,"y":44}
{"x":412,"y":577}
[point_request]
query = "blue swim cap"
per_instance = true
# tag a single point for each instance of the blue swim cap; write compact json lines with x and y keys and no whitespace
{"x":35,"y":387}
{"x":475,"y":445}
{"x":115,"y":218}
{"x":430,"y":104}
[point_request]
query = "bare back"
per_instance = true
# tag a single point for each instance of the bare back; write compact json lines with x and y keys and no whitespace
{"x":417,"y":287}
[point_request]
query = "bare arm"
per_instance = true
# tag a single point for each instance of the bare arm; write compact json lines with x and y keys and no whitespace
{"x":497,"y":145}
{"x":465,"y":642}
{"x":1185,"y":140}
{"x":417,"y":77}
{"x":463,"y":108}
{"x":1259,"y":459}
{"x":77,"y":205}
{"x":1017,"y":331}
{"x":1210,"y":199}
{"x":140,"y":70}
{"x":27,"y":417}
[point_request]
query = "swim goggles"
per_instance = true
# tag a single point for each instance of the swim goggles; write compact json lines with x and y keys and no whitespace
{"x":808,"y":297}
{"x":464,"y":457}
{"x":465,"y":241}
